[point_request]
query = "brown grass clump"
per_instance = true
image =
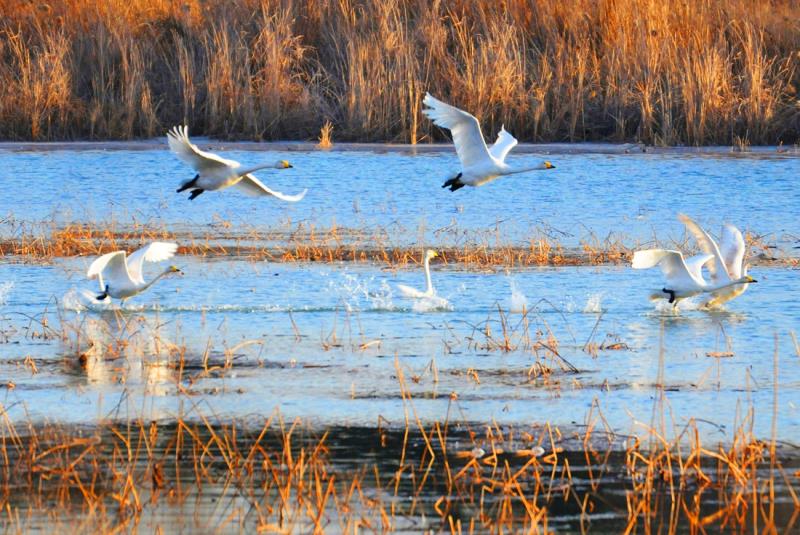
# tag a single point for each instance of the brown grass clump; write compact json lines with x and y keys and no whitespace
{"x":326,"y":136}
{"x":702,"y":72}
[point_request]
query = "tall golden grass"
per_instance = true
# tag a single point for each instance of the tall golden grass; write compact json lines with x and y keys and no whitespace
{"x":695,"y":72}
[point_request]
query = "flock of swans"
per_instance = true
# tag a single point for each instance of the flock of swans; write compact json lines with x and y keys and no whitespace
{"x":121,"y":276}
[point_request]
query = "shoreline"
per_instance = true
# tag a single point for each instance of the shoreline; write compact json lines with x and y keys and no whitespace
{"x":590,"y":147}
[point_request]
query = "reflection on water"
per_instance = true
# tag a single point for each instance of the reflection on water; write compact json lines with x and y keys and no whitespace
{"x":321,"y":341}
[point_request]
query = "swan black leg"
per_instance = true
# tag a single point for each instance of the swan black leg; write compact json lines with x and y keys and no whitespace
{"x":195,"y":194}
{"x":188,"y":185}
{"x":454,"y":183}
{"x":456,"y":186}
{"x":671,"y":294}
{"x":103,"y":295}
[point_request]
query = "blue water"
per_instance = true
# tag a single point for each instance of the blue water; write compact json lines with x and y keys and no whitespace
{"x":326,"y":342}
{"x":632,"y":195}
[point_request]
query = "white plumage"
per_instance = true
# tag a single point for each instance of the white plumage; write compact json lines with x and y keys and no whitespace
{"x":429,"y":294}
{"x":479,"y":164}
{"x":684,"y":278}
{"x":215,"y":173}
{"x":728,"y":262}
{"x":121,"y":276}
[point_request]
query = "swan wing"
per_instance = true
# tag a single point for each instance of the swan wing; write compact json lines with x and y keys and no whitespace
{"x":412,"y":293}
{"x":694,"y":264}
{"x":179,"y":144}
{"x":113,"y":267}
{"x":254,"y":187}
{"x":732,"y":247}
{"x":466,"y":131}
{"x":503,"y":145}
{"x":707,"y":244}
{"x":672,"y":266}
{"x":153,"y":252}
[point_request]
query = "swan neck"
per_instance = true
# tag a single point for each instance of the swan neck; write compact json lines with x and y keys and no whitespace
{"x":428,"y":282}
{"x":242,"y":171}
{"x":154,"y":279}
{"x":515,"y":170}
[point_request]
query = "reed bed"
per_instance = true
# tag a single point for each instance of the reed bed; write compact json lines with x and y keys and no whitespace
{"x":201,"y":471}
{"x":699,"y":72}
{"x":41,"y":242}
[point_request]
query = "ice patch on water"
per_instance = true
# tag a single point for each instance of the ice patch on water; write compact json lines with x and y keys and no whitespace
{"x":5,"y":290}
{"x":518,"y":302}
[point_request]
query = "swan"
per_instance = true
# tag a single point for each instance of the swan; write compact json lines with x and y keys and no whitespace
{"x":215,"y":173}
{"x":728,"y":261}
{"x":479,"y":164}
{"x":429,"y":293}
{"x":121,"y":277}
{"x":684,"y":277}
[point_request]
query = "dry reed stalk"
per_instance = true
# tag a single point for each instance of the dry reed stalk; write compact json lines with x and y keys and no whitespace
{"x":705,"y":71}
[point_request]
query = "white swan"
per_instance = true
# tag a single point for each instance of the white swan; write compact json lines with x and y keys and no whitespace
{"x":121,"y":276}
{"x":479,"y":164}
{"x":684,"y":278}
{"x":215,"y":173}
{"x":429,"y":293}
{"x":728,"y":261}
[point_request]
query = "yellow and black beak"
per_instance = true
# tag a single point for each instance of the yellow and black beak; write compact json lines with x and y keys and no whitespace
{"x":548,"y":165}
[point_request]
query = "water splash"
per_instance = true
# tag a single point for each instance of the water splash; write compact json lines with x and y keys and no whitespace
{"x":594,"y":304}
{"x":356,"y":293}
{"x":518,"y":301}
{"x":82,"y":300}
{"x":431,"y":304}
{"x":5,"y":290}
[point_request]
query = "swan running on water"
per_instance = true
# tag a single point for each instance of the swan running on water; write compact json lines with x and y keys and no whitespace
{"x":215,"y":173}
{"x":684,"y":278}
{"x":121,"y":276}
{"x":728,"y":260}
{"x":479,"y":164}
{"x":429,"y":293}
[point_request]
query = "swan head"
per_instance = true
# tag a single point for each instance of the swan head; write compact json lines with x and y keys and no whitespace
{"x":283,"y":164}
{"x":747,"y":279}
{"x":547,"y":165}
{"x":174,"y":269}
{"x":430,"y":254}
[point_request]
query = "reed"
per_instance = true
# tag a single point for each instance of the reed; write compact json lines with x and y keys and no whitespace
{"x":702,"y":72}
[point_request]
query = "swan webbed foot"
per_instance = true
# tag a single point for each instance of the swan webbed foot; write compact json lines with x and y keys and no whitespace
{"x":454,"y":183}
{"x":671,"y":294}
{"x":188,"y":185}
{"x":103,"y":295}
{"x":195,"y":194}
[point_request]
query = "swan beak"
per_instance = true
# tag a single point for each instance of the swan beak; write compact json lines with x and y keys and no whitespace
{"x":548,"y":165}
{"x":289,"y":166}
{"x":752,"y":281}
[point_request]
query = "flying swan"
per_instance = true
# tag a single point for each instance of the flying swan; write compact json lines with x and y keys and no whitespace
{"x":728,"y":259}
{"x":479,"y":164}
{"x":215,"y":172}
{"x":121,"y":276}
{"x":429,"y":293}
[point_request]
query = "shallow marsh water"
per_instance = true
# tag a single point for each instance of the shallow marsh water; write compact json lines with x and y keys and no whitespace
{"x":633,"y":195}
{"x":327,"y":343}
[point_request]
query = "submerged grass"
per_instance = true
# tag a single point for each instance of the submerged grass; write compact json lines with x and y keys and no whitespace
{"x":698,"y":72}
{"x":201,"y":470}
